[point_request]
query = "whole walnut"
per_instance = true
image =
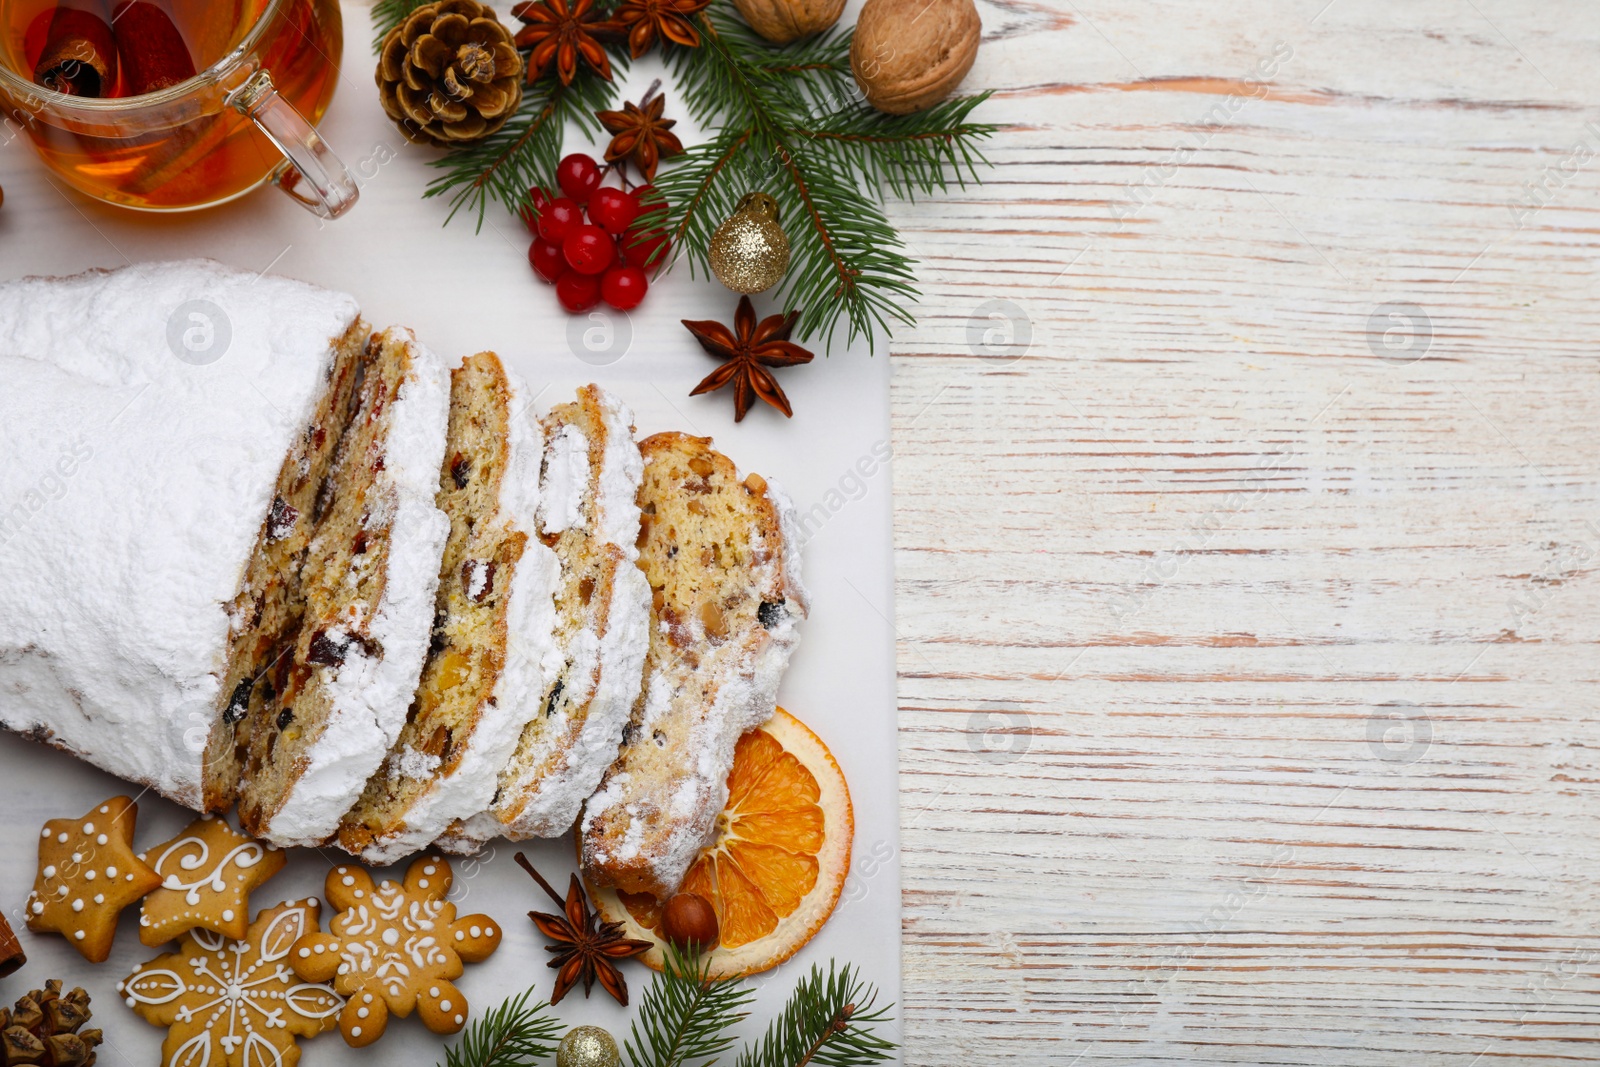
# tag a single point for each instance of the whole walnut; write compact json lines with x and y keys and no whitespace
{"x":908,"y":55}
{"x":782,"y":21}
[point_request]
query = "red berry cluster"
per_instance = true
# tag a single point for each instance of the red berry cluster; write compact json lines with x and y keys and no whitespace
{"x":603,"y":257}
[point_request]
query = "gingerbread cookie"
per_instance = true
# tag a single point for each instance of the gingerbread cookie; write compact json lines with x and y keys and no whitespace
{"x":87,"y":874}
{"x":207,"y":873}
{"x":394,"y":949}
{"x":234,"y":1003}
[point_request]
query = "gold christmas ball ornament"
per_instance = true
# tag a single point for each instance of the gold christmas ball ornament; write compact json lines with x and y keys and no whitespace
{"x":587,"y":1046}
{"x":749,"y":252}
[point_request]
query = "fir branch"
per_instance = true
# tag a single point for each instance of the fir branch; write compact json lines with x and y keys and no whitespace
{"x":685,"y":1015}
{"x":826,"y":1022}
{"x":793,"y":125}
{"x":387,"y":14}
{"x":524,"y":152}
{"x":910,"y":154}
{"x":513,"y":1035}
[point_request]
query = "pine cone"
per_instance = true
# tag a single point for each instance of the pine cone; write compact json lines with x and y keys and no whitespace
{"x":449,"y":74}
{"x":46,"y":1029}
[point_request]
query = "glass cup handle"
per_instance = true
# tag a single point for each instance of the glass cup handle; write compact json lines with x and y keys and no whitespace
{"x":313,"y":176}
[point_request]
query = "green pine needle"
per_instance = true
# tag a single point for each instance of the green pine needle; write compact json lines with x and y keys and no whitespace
{"x":513,"y":1035}
{"x":685,"y":1015}
{"x":827,"y":1022}
{"x":792,"y":124}
{"x":524,"y":152}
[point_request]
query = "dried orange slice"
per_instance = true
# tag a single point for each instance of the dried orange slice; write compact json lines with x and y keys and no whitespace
{"x":779,"y":858}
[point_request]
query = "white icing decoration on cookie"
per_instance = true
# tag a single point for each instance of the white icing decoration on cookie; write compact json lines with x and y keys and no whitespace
{"x":242,"y":996}
{"x":242,"y":856}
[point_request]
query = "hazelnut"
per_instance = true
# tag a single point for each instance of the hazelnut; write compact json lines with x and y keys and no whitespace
{"x":907,"y":55}
{"x":689,"y":921}
{"x":782,"y":21}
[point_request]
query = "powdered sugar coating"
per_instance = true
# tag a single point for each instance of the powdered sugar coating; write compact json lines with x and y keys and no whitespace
{"x":532,"y":659}
{"x":566,"y":480}
{"x":621,"y":471}
{"x":789,"y":526}
{"x":370,"y":695}
{"x":135,"y":486}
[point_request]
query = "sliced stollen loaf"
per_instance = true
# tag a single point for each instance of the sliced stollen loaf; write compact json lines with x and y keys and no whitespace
{"x":589,"y":516}
{"x":340,"y":683}
{"x":722,"y":557}
{"x":493,"y":652}
{"x":152,"y":418}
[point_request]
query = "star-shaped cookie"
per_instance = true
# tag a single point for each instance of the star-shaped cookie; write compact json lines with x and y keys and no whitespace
{"x":87,"y":874}
{"x":394,"y":949}
{"x":234,"y":1003}
{"x":206,"y":875}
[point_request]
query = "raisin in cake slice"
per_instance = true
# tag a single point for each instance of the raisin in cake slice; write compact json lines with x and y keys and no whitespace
{"x":721,"y":554}
{"x":493,"y":651}
{"x":589,"y":516}
{"x":165,"y":428}
{"x":340,"y":683}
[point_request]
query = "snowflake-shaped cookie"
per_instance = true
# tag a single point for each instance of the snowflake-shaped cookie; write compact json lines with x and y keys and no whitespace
{"x":395,"y":949}
{"x":234,"y":1003}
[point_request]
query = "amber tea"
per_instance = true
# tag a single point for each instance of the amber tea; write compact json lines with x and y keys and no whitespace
{"x":173,"y":104}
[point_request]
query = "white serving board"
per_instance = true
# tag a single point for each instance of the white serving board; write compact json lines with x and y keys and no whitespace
{"x":463,"y":292}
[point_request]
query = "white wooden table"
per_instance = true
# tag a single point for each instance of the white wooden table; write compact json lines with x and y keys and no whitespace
{"x":1247,"y":512}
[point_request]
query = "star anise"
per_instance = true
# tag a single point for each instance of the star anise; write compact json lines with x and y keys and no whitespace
{"x":643,"y":20}
{"x":555,"y":31}
{"x":585,"y":945}
{"x":641,"y":134}
{"x":749,"y":348}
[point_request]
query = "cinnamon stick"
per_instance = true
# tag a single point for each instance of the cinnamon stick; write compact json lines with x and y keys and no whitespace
{"x":153,"y":53}
{"x":11,"y":954}
{"x":80,"y":54}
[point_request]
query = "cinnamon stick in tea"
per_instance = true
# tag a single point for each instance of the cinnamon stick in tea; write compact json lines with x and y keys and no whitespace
{"x":80,"y":54}
{"x":11,"y":955}
{"x":154,"y":55}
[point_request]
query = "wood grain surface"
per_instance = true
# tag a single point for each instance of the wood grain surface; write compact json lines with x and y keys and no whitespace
{"x":1247,"y":518}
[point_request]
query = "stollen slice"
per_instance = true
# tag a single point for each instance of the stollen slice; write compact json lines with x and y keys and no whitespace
{"x":492,"y":654}
{"x":722,"y":557}
{"x":341,"y":681}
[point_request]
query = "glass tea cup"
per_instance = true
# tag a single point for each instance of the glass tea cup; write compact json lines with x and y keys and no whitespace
{"x":247,"y":118}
